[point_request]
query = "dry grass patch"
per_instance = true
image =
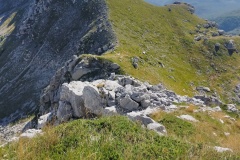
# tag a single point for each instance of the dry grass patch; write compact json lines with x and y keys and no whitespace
{"x":191,"y":108}
{"x":237,"y":124}
{"x":232,"y":141}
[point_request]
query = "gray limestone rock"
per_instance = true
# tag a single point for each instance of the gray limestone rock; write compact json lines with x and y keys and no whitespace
{"x":221,"y":32}
{"x":43,"y":120}
{"x":198,"y":38}
{"x":143,"y":119}
{"x":208,"y":100}
{"x":232,"y":108}
{"x":217,"y":46}
{"x":160,"y":129}
{"x":112,"y":85}
{"x":80,"y":71}
{"x":230,"y":45}
{"x":30,"y":133}
{"x":202,"y":88}
{"x":64,"y":112}
{"x":110,"y":111}
{"x":222,"y":149}
{"x":92,"y":100}
{"x":128,"y":103}
{"x":145,"y":103}
{"x":188,"y":118}
{"x":73,"y":94}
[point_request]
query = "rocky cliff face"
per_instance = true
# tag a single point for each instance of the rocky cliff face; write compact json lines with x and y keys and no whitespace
{"x":46,"y":34}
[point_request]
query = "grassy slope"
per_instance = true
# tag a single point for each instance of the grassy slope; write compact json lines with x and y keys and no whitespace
{"x":108,"y":138}
{"x":104,"y":138}
{"x":166,"y":38}
{"x":210,"y":130}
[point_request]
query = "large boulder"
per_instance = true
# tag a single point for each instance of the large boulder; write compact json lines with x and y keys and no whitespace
{"x":230,"y":45}
{"x":79,"y":72}
{"x":112,"y":85}
{"x":92,"y":100}
{"x":221,"y":32}
{"x":64,"y":112}
{"x":128,"y":104}
{"x":73,"y":93}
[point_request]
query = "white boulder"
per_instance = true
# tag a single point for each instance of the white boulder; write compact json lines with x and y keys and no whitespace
{"x":43,"y":120}
{"x":221,"y":149}
{"x":188,"y":118}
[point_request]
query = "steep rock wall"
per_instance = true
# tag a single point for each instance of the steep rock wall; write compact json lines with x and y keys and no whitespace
{"x":47,"y":33}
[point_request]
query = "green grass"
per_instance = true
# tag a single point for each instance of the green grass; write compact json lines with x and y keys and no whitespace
{"x":111,"y":138}
{"x":178,"y":126}
{"x":206,"y":133}
{"x":104,"y":138}
{"x":167,"y":38}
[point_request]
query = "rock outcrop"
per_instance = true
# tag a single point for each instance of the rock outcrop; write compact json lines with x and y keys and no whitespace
{"x":230,"y":45}
{"x":99,"y":91}
{"x":190,"y":7}
{"x":58,"y":95}
{"x":33,"y":51}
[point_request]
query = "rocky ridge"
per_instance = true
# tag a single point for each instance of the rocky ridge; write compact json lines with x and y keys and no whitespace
{"x":91,"y":95}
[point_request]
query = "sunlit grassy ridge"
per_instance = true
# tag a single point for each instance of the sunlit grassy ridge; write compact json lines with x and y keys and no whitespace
{"x":111,"y":138}
{"x":167,"y":37}
{"x":104,"y":138}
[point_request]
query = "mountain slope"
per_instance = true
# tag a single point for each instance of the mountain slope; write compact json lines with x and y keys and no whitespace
{"x":172,"y":57}
{"x":166,"y":45}
{"x":37,"y":37}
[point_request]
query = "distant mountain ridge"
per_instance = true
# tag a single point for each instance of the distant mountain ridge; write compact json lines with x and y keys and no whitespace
{"x":230,"y":22}
{"x":205,"y":8}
